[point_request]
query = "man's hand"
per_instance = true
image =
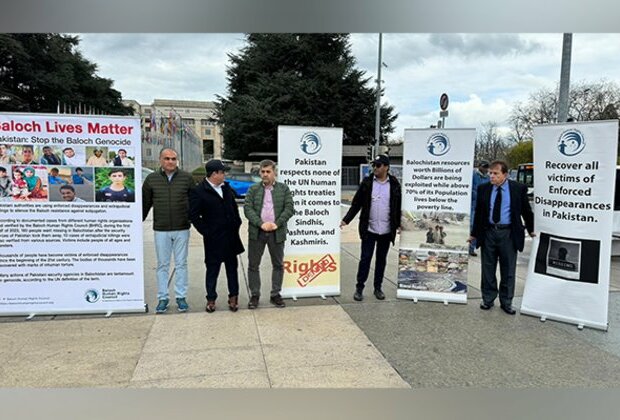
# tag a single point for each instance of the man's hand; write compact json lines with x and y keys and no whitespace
{"x":471,"y":239}
{"x":268,"y":226}
{"x":532,"y":234}
{"x":342,"y":224}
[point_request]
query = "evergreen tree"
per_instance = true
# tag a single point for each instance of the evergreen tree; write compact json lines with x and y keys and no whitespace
{"x":39,"y":71}
{"x":296,"y":79}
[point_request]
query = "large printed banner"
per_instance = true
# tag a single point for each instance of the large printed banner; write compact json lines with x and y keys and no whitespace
{"x":310,"y":163}
{"x":70,"y":214}
{"x":437,"y":175}
{"x":574,"y":180}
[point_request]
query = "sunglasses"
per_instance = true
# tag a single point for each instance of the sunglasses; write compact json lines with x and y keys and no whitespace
{"x":377,"y":165}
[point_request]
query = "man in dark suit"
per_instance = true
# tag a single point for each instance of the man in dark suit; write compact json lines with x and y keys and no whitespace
{"x":498,"y":230}
{"x":214,"y":213}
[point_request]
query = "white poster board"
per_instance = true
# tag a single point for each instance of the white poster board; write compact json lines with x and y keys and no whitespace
{"x":310,"y":163}
{"x":437,"y":175}
{"x":574,"y":181}
{"x":70,"y":228}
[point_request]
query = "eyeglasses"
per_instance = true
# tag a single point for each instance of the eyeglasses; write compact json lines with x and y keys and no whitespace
{"x":377,"y":165}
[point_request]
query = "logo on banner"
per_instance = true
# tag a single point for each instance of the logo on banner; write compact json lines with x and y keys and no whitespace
{"x":571,"y":142}
{"x":91,"y":296}
{"x":310,"y":143}
{"x":438,"y":144}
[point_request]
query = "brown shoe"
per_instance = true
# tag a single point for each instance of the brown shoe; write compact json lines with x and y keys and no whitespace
{"x":277,"y":301}
{"x":210,"y":306}
{"x":253,"y":304}
{"x":232,"y":303}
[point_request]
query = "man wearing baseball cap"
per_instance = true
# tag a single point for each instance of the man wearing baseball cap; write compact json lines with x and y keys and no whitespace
{"x":379,"y":199}
{"x":214,"y":213}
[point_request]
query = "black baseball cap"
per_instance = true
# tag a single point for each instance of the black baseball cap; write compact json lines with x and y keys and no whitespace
{"x":216,"y":165}
{"x":382,"y":159}
{"x":483,"y":164}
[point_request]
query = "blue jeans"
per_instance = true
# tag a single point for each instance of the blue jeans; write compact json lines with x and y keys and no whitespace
{"x":167,"y":243}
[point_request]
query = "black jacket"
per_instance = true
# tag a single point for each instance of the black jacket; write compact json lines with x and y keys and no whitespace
{"x":519,"y":208}
{"x":217,"y":219}
{"x":362,"y":200}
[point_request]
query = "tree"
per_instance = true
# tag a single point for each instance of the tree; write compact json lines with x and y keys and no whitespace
{"x":490,"y":145}
{"x":39,"y":71}
{"x":296,"y":79}
{"x":520,"y":153}
{"x":587,"y":101}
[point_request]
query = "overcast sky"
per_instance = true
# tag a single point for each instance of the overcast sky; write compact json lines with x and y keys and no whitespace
{"x":484,"y":74}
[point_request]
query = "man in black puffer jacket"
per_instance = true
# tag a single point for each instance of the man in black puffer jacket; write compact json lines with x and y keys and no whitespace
{"x":167,"y":191}
{"x":379,"y":199}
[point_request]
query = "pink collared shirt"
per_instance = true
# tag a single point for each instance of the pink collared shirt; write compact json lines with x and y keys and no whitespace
{"x":267,"y":213}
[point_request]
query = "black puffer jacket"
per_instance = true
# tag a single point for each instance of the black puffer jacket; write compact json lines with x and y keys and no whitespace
{"x":362,"y":199}
{"x":169,"y":200}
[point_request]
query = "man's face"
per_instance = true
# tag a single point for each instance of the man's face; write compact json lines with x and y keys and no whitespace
{"x":47,"y":151}
{"x":267,"y":175}
{"x":69,"y":153}
{"x":2,"y":150}
{"x":483,"y":169}
{"x":379,"y":169}
{"x":2,"y":174}
{"x":27,"y":154}
{"x":117,"y":177}
{"x":217,"y":177}
{"x":98,"y":153}
{"x":122,"y":154}
{"x":79,"y":172}
{"x":67,"y":194}
{"x":497,"y":176}
{"x":54,"y":172}
{"x":168,"y":161}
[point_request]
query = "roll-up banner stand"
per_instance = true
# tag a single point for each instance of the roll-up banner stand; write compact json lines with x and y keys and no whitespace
{"x":574,"y":181}
{"x":310,"y":162}
{"x":437,"y":175}
{"x":70,"y":222}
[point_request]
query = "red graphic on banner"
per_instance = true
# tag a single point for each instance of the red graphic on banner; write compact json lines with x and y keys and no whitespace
{"x":327,"y":263}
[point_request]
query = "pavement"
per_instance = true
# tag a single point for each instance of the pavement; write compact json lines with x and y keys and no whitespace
{"x":313,"y":342}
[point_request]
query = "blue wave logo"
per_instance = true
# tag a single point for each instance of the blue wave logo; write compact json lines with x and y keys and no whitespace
{"x":91,"y":296}
{"x":571,"y":142}
{"x":438,"y":144}
{"x":310,"y":143}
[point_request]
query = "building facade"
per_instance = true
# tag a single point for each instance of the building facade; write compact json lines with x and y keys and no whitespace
{"x":187,"y":126}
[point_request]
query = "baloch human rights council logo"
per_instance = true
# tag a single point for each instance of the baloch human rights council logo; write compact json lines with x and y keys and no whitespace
{"x":438,"y":144}
{"x":310,"y":143}
{"x":571,"y":142}
{"x":91,"y":296}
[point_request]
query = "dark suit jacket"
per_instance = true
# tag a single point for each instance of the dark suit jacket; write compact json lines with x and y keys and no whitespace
{"x":519,"y":209}
{"x":217,"y":219}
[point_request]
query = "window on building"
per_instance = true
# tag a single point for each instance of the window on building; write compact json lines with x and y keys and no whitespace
{"x":207,"y":131}
{"x":189,"y":121}
{"x":149,"y":152}
{"x":207,"y":149}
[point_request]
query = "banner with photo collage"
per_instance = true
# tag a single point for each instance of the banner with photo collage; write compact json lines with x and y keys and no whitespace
{"x":574,"y":181}
{"x":70,"y":214}
{"x":310,"y":163}
{"x":437,"y":175}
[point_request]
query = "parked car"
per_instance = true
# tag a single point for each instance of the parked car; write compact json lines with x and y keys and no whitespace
{"x":240,"y":182}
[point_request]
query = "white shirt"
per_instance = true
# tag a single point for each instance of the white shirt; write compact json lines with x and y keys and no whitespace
{"x":217,"y":188}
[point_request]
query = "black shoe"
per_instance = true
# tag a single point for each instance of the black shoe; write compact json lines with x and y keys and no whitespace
{"x":379,"y":294}
{"x":253,"y":303}
{"x":277,"y":301}
{"x":358,"y":296}
{"x":473,"y":253}
{"x":508,"y":309}
{"x":486,"y":306}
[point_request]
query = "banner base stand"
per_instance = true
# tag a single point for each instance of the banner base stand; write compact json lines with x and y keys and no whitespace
{"x":577,"y":322}
{"x":445,"y":302}
{"x":29,"y":317}
{"x":323,"y":297}
{"x":294,"y":298}
{"x":108,"y":314}
{"x":415,"y":300}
